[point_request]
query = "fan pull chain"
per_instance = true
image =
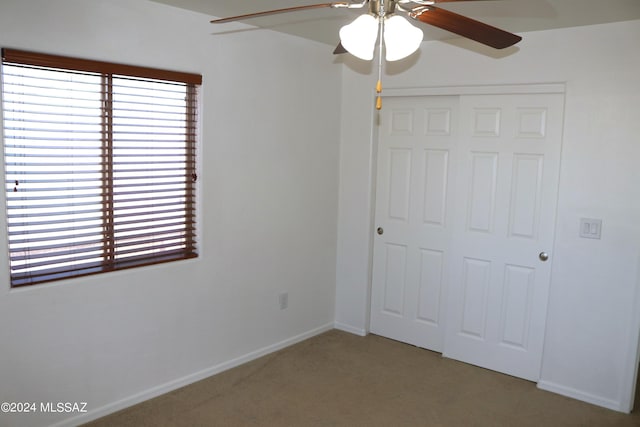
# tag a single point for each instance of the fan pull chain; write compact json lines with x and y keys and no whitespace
{"x":379,"y":84}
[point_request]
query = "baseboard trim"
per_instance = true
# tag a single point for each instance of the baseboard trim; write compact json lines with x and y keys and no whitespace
{"x":580,"y":395}
{"x":189,"y":379}
{"x":351,"y":329}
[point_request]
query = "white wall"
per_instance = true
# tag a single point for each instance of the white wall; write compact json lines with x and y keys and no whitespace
{"x":592,"y":327}
{"x":268,"y":216}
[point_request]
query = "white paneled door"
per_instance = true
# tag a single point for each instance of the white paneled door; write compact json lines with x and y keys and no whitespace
{"x":469,"y":217}
{"x":413,"y":236}
{"x":509,"y":161}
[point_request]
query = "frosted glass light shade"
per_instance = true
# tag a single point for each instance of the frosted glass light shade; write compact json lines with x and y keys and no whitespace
{"x":359,"y":37}
{"x":401,"y":38}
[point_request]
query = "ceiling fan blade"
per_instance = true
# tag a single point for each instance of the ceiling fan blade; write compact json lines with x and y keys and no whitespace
{"x":274,"y":11}
{"x":466,"y":27}
{"x":339,"y":49}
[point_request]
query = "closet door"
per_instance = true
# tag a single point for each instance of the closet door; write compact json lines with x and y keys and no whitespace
{"x":505,"y":205}
{"x":465,"y":210}
{"x":413,"y":210}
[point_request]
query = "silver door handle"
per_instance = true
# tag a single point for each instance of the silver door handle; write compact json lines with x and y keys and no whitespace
{"x":543,"y":256}
{"x":380,"y":231}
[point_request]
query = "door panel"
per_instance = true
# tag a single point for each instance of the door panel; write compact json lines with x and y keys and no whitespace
{"x":509,"y":150}
{"x":412,"y":208}
{"x":517,"y":305}
{"x":395,"y":278}
{"x":475,"y":284}
{"x":399,"y":184}
{"x":436,"y":166}
{"x":526,"y":191}
{"x":430,"y":286}
{"x":482,"y":191}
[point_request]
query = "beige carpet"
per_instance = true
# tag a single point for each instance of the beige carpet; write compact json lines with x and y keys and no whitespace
{"x":339,"y":379}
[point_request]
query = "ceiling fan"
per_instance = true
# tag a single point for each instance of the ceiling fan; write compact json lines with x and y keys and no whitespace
{"x":382,"y":23}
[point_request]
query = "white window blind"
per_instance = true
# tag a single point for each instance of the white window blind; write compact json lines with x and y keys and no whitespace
{"x":100,"y":166}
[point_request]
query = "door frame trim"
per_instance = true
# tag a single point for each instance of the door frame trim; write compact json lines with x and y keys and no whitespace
{"x":476,"y":90}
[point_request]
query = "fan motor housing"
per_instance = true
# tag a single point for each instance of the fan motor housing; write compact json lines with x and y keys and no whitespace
{"x":382,"y":7}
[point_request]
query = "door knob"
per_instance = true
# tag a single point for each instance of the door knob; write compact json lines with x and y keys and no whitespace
{"x":380,"y":230}
{"x":543,"y":256}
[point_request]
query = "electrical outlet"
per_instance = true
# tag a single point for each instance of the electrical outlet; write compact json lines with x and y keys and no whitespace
{"x":283,"y":298}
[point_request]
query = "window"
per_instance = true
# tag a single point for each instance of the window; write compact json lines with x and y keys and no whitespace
{"x":99,"y":165}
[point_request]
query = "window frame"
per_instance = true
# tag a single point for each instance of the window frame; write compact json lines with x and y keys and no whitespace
{"x":108,"y":70}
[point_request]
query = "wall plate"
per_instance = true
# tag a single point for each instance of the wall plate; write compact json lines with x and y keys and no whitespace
{"x":590,"y":228}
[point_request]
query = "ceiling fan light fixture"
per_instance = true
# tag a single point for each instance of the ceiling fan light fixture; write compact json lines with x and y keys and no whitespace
{"x":401,"y":39}
{"x":359,"y":37}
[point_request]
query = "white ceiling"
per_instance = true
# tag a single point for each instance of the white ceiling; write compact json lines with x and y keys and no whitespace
{"x":323,"y":24}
